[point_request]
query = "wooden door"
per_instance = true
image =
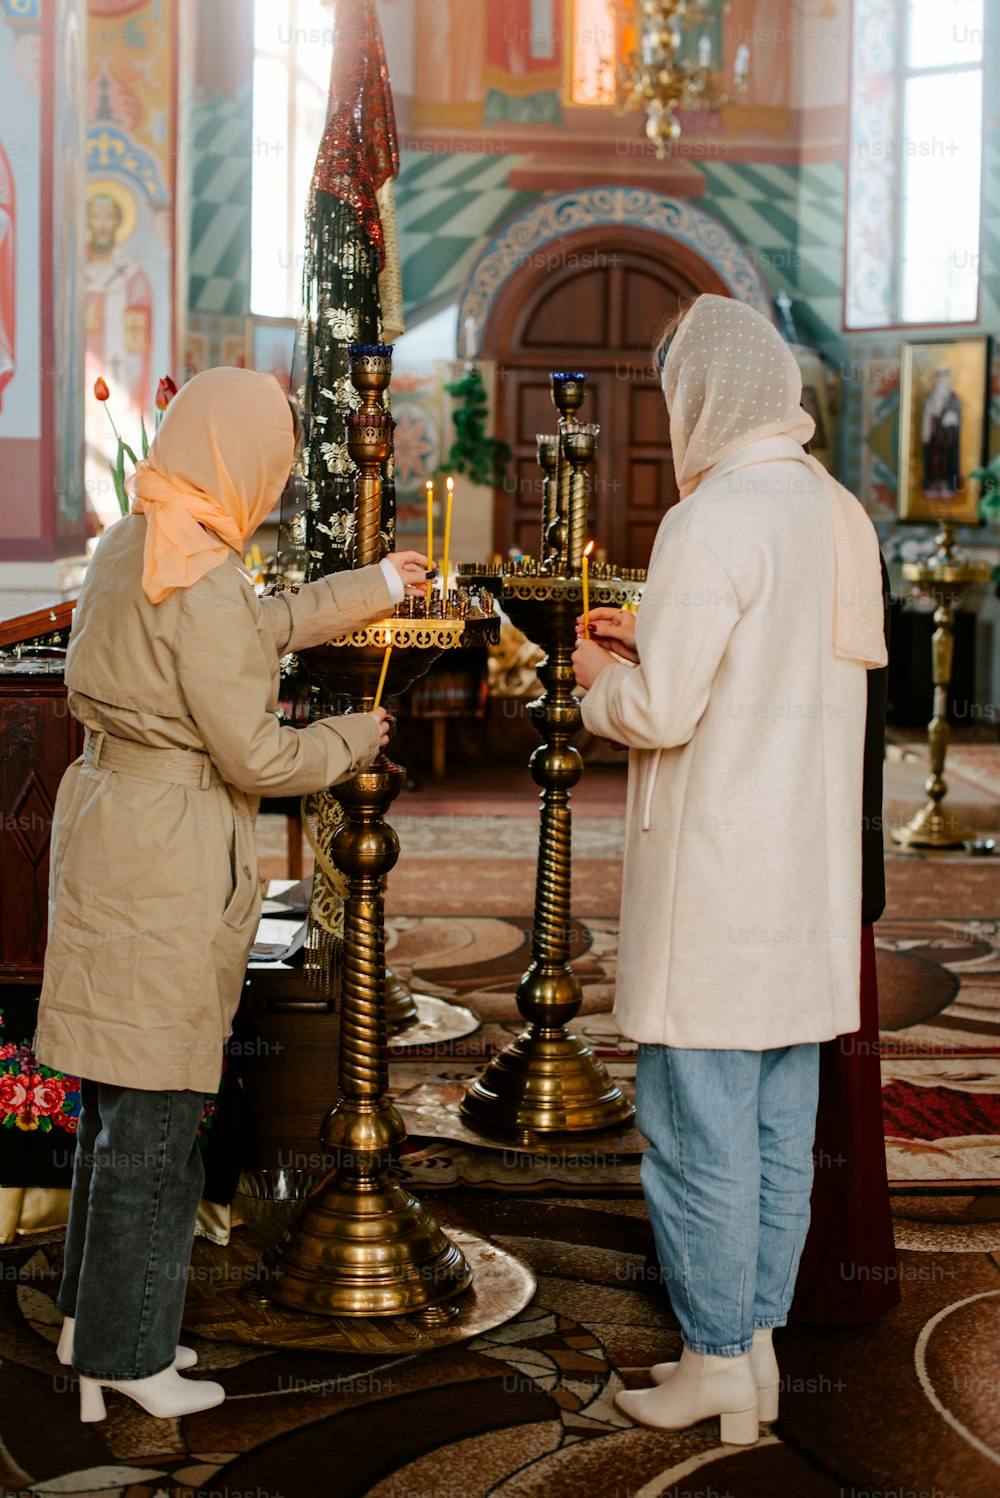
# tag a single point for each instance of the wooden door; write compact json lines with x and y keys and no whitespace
{"x":595,"y":304}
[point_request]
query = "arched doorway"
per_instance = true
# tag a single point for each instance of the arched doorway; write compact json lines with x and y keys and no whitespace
{"x":594,"y":304}
{"x":586,"y":280}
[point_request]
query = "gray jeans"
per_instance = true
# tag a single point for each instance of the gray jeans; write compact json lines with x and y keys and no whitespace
{"x":137,"y":1182}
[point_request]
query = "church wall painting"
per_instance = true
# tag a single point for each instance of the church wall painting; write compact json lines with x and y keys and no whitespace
{"x":129,"y":272}
{"x":20,"y":168}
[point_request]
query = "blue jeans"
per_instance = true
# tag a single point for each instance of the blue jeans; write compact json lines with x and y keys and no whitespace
{"x":137,"y":1182}
{"x":727,"y":1179}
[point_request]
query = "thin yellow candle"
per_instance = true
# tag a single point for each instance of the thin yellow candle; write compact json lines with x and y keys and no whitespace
{"x":446,"y":559}
{"x":385,"y":667}
{"x":430,"y":522}
{"x":586,"y":587}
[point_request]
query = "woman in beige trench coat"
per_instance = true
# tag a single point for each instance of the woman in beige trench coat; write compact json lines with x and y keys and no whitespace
{"x":173,"y":668}
{"x":740,"y":690}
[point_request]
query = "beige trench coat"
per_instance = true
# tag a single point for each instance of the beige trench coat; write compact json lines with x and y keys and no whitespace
{"x":154,"y":891}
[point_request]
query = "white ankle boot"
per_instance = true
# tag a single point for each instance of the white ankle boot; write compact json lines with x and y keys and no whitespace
{"x":185,"y":1357}
{"x":765,"y":1371}
{"x":165,"y":1394}
{"x":698,"y":1387}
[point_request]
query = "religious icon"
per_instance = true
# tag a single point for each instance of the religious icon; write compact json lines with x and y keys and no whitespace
{"x":941,"y":426}
{"x":119,"y":295}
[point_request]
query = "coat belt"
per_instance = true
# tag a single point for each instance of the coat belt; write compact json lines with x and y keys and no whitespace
{"x":176,"y":766}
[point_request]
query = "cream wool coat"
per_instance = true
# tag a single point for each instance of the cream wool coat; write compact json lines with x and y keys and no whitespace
{"x":154,"y":892}
{"x":741,"y":902}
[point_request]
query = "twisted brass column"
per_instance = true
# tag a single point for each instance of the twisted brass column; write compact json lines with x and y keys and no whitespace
{"x":549,"y":1081}
{"x":553,"y":541}
{"x":579,"y":443}
{"x":363,"y":1245}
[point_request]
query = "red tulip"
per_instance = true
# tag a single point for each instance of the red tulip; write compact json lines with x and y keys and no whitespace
{"x":101,"y":389}
{"x":165,"y":393}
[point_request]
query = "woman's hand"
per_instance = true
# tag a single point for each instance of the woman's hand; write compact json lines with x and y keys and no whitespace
{"x":384,"y":722}
{"x":589,"y":660}
{"x":412,"y":569}
{"x":615,"y":628}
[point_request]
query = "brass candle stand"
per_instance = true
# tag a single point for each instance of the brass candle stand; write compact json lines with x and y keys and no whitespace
{"x":548,"y":1081}
{"x":363,"y":1245}
{"x":946,"y":578}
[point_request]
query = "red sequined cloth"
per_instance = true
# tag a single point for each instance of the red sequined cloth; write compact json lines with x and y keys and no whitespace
{"x":359,"y":150}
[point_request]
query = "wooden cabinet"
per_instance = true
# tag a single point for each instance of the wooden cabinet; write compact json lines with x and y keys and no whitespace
{"x":38,"y":740}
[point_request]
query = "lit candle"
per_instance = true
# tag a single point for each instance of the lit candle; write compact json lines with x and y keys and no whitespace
{"x":385,"y":666}
{"x":705,"y":52}
{"x":446,"y":559}
{"x":430,"y":539}
{"x":586,"y":587}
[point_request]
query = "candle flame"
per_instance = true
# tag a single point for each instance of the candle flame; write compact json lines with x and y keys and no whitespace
{"x":388,"y":637}
{"x":429,"y":486}
{"x":588,"y":548}
{"x":451,"y":486}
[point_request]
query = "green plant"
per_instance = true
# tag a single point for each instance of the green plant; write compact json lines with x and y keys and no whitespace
{"x":989,"y":498}
{"x":481,"y":457}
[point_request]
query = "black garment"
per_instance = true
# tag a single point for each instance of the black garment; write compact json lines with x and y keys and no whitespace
{"x":872,"y":856}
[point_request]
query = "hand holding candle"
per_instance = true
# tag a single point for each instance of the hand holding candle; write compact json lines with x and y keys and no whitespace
{"x":586,"y":588}
{"x":385,"y":666}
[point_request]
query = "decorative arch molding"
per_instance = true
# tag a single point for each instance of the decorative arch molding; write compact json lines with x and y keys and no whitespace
{"x":525,"y":238}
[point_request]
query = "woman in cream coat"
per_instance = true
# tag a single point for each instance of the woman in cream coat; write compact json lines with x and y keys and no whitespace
{"x":173,"y":669}
{"x":740,"y":689}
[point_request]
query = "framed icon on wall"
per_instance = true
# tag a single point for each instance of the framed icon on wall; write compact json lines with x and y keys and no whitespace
{"x":942,"y":416}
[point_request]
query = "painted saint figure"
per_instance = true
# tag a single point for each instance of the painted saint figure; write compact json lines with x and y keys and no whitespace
{"x":941,"y":438}
{"x":119,"y":300}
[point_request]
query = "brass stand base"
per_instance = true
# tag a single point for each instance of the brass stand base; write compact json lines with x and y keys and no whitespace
{"x":371,"y":1253}
{"x":933,"y":828}
{"x":228,"y":1301}
{"x":400,"y":1005}
{"x":542,"y":1084}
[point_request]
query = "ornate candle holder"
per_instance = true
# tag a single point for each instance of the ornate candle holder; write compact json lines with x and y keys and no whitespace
{"x":548,"y":1081}
{"x":946,"y":578}
{"x":365,"y":1246}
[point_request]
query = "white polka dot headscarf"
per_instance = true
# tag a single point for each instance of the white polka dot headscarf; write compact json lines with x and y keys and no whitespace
{"x":730,"y":380}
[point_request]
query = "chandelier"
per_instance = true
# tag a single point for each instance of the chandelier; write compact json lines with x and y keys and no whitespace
{"x":668,"y":71}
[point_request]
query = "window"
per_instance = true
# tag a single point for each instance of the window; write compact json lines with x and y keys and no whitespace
{"x":593,"y":51}
{"x":293,"y":46}
{"x":915,"y":175}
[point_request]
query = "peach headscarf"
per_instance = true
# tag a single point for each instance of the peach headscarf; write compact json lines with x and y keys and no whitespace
{"x":730,"y":381}
{"x":215,"y":468}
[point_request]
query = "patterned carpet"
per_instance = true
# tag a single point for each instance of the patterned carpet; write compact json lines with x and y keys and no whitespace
{"x":906,"y":1406}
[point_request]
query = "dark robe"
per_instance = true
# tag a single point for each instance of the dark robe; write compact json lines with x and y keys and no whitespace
{"x":848,"y":1273}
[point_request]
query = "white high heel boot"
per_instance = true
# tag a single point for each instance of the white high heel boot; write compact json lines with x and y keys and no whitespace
{"x":165,"y":1394}
{"x":185,"y":1357}
{"x":700,"y":1386}
{"x":765,"y":1372}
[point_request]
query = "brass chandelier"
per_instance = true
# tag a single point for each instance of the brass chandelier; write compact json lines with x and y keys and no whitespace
{"x":665,"y":73}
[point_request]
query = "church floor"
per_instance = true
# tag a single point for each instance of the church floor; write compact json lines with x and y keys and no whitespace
{"x":908,"y":1405}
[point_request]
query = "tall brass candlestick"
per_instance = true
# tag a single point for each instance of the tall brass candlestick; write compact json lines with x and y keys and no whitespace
{"x":364,"y":1246}
{"x":568,"y":391}
{"x":947,"y":578}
